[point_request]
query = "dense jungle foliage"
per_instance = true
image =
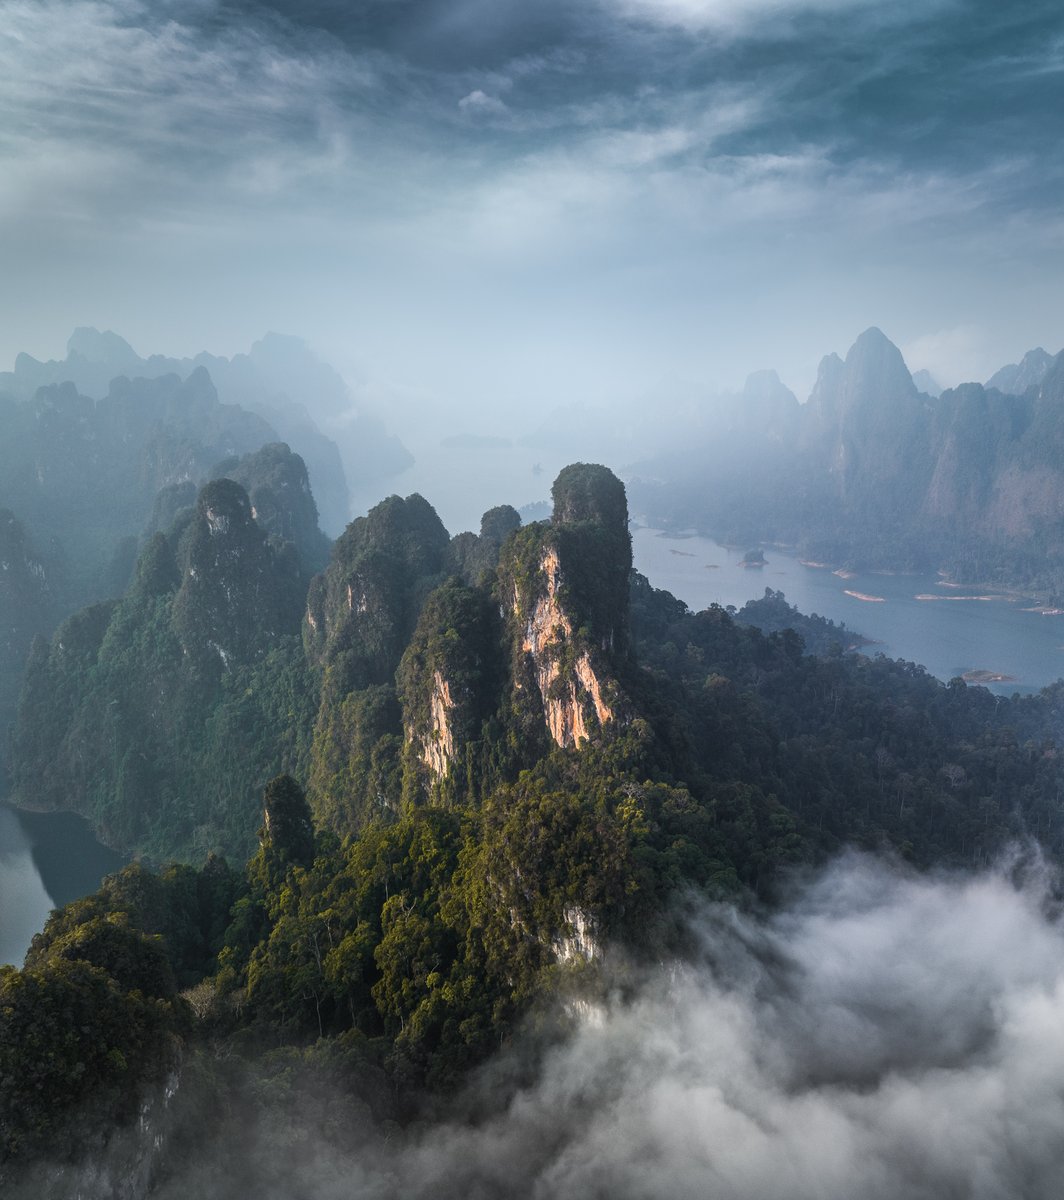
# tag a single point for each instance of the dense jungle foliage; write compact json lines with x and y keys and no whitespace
{"x":431,"y":868}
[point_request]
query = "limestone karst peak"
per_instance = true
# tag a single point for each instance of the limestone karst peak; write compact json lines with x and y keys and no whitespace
{"x":876,"y":369}
{"x":106,"y":348}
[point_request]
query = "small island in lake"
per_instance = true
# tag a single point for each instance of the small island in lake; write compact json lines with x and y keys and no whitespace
{"x":753,"y":558}
{"x":988,"y":677}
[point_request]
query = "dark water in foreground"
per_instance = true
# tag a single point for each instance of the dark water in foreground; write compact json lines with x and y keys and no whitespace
{"x":46,"y":860}
{"x":949,"y":635}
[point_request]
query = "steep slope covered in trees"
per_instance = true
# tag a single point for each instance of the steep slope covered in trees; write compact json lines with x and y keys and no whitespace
{"x":278,"y":380}
{"x":25,"y":612}
{"x":504,"y":778}
{"x":160,"y":716}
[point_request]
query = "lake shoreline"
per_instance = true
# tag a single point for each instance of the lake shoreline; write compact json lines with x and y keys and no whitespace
{"x":1001,"y":646}
{"x":1042,"y":600}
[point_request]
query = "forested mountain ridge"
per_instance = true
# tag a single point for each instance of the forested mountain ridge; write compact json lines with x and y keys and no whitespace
{"x":26,"y":611}
{"x":83,"y":474}
{"x":278,"y":380}
{"x":159,"y":716}
{"x":102,"y":449}
{"x":493,"y":775}
{"x":871,"y":472}
{"x":78,"y":480}
{"x":412,"y":670}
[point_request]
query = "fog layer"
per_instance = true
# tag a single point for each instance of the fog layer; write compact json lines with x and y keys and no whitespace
{"x":883,"y":1036}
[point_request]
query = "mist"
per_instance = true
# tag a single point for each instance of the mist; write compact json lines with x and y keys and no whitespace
{"x":511,"y":209}
{"x":884,"y":1035}
{"x":492,"y":240}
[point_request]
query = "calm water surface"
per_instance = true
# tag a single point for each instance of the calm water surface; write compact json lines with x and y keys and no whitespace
{"x":46,"y":860}
{"x":24,"y":903}
{"x":947,"y":636}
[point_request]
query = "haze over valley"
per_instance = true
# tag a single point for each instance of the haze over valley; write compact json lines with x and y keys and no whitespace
{"x":531,"y":600}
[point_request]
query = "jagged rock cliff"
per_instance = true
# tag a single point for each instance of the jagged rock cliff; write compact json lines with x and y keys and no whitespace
{"x":870,"y":419}
{"x":564,"y":585}
{"x":1018,"y":378}
{"x":360,"y":615}
{"x":568,"y":684}
{"x":282,"y":504}
{"x":873,"y":472}
{"x":441,"y":670}
{"x":362,"y":609}
{"x":449,"y":678}
{"x":237,"y":592}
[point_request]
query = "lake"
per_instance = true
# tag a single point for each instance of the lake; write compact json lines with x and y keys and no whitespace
{"x":949,"y":635}
{"x":948,"y":632}
{"x":46,"y":860}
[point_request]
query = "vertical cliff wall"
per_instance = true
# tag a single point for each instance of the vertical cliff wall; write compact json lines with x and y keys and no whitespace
{"x":564,"y":588}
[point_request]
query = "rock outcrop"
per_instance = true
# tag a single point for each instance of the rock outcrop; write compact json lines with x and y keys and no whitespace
{"x":879,"y":473}
{"x":1017,"y":378}
{"x":238,"y":591}
{"x":564,"y":585}
{"x":449,"y":679}
{"x":568,"y":685}
{"x":362,"y":609}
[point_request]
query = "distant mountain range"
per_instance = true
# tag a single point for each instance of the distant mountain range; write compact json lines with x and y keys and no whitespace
{"x":280,"y":380}
{"x":102,"y":449}
{"x":873,"y":471}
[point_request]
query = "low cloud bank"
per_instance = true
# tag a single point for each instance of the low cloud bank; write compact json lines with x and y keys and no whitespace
{"x":884,"y":1035}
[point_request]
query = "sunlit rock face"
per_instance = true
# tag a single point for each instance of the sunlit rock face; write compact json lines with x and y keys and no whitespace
{"x":536,"y":646}
{"x":571,"y":692}
{"x":449,"y":678}
{"x":437,"y":751}
{"x":579,"y":940}
{"x":565,"y":585}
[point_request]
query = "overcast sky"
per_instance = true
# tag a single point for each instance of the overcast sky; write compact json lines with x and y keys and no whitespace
{"x":521,"y":201}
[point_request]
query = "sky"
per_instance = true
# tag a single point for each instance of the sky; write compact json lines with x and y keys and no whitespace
{"x":491,"y":206}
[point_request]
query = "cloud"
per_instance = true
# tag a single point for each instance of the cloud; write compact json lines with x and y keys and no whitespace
{"x":884,"y":1035}
{"x":953,"y":356}
{"x":765,"y":18}
{"x":334,"y":154}
{"x":478,"y":102}
{"x":734,"y":15}
{"x":164,"y":107}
